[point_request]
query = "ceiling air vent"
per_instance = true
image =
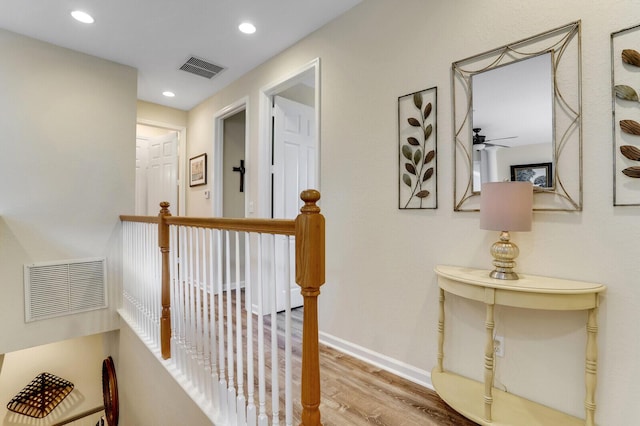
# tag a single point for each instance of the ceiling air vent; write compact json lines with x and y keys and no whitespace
{"x":201,"y":67}
{"x":54,"y":289}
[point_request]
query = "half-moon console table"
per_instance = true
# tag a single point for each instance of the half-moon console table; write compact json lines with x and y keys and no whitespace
{"x":531,"y":292}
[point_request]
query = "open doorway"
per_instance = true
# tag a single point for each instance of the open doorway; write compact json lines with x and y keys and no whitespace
{"x":231,"y":162}
{"x":234,"y":166}
{"x":285,"y":100}
{"x":290,"y":153}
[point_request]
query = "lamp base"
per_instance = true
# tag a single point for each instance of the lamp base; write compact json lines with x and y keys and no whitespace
{"x":504,"y":275}
{"x":504,"y":253}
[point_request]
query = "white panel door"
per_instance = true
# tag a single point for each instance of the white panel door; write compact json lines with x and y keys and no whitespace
{"x":294,"y":170}
{"x":162,"y":173}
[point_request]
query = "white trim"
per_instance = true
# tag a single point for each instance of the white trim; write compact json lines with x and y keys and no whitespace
{"x":217,"y":162}
{"x":265,"y":129}
{"x":393,"y":366}
{"x":182,"y":160}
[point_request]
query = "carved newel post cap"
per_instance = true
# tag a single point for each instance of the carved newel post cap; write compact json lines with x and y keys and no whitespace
{"x":164,"y":208}
{"x":310,"y":198}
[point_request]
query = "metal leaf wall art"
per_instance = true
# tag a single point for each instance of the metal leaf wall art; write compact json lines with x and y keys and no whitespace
{"x":417,"y":159}
{"x":625,"y":79}
{"x":631,"y":152}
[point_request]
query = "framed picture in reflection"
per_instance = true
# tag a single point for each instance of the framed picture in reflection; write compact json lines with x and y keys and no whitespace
{"x":539,"y":174}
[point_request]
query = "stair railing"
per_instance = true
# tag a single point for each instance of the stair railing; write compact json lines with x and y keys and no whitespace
{"x":183,"y":299}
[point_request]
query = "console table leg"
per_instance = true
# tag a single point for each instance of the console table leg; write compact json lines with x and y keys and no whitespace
{"x":488,"y":364}
{"x":591,"y":366}
{"x":441,"y":333}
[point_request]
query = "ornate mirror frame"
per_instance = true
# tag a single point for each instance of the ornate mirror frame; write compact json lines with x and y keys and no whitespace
{"x":564,"y":44}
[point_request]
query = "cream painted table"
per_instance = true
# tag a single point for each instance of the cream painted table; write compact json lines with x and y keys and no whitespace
{"x":531,"y":292}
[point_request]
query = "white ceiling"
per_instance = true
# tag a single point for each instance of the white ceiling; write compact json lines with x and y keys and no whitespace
{"x":158,"y":36}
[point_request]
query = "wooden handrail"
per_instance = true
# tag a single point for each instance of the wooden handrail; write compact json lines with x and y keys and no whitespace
{"x":265,"y":226}
{"x":140,"y":219}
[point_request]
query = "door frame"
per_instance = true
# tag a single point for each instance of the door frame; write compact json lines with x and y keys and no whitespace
{"x":266,"y":129}
{"x":241,"y":104}
{"x":182,"y":161}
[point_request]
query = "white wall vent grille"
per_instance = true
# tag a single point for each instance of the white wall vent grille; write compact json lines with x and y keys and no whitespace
{"x":54,"y":289}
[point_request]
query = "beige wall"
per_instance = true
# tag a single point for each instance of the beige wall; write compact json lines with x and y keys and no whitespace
{"x":161,"y":115}
{"x":149,"y":395}
{"x":381,"y":292}
{"x":66,"y":173}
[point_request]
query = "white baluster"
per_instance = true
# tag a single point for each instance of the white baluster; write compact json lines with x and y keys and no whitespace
{"x":125,"y":263}
{"x":222,"y":383}
{"x":148,"y":289}
{"x":248,"y":305}
{"x":212,"y":319}
{"x":156,"y":285}
{"x":142,"y":285}
{"x":131,"y":269}
{"x":288,"y":345}
{"x":231,"y":391}
{"x":147,"y":295}
{"x":192,"y":310}
{"x":263,"y":420}
{"x":126,"y":254}
{"x":172,"y":292}
{"x":184,"y":266}
{"x":182,"y":237}
{"x":204,"y":288}
{"x":241,"y":401}
{"x":199,"y":360}
{"x":275,"y":386}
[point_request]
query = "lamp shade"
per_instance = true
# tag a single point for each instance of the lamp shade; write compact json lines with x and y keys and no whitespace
{"x":506,"y":206}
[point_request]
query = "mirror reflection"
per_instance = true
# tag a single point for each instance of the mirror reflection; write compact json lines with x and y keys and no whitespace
{"x":512,"y":123}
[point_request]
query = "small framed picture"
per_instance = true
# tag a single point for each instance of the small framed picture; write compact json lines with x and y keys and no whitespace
{"x":538,"y":174}
{"x":198,"y":170}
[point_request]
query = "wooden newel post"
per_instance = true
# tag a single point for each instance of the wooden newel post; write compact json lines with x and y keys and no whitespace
{"x":165,"y":319}
{"x":310,"y":270}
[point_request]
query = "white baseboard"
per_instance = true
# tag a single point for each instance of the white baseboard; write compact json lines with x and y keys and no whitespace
{"x":399,"y":368}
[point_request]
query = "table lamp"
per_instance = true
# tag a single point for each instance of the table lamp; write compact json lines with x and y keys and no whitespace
{"x":505,"y":207}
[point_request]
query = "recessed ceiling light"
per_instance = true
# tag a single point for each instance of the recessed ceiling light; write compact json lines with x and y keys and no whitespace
{"x":82,"y":17}
{"x":169,"y":94}
{"x":247,"y":28}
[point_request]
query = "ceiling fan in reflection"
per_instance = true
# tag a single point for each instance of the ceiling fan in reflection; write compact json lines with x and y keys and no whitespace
{"x":481,"y":142}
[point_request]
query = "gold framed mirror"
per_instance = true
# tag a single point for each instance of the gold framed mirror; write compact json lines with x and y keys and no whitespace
{"x":542,"y":144}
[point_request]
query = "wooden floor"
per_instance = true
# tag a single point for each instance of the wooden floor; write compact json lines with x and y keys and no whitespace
{"x":353,"y":392}
{"x":356,"y":393}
